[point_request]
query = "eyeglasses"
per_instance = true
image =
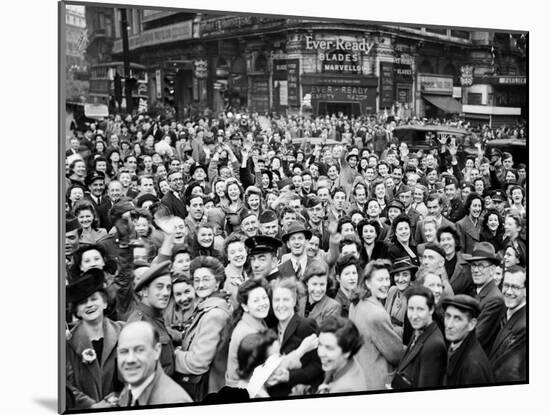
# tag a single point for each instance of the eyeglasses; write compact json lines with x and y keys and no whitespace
{"x":513,"y":287}
{"x":479,"y":266}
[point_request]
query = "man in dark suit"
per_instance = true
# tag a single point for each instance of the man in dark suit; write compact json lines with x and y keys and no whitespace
{"x":509,"y":353}
{"x":425,"y":359}
{"x":138,"y":353}
{"x":296,"y":239}
{"x":482,"y":264}
{"x":173,"y":199}
{"x":468,"y":364}
{"x":96,"y":187}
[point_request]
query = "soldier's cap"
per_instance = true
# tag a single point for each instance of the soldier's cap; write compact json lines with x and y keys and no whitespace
{"x":396,"y":204}
{"x":498,"y":196}
{"x":495,"y":152}
{"x":312,"y":201}
{"x":93,"y":177}
{"x":450,"y":180}
{"x":90,"y":282}
{"x":262,"y":243}
{"x":403,"y":189}
{"x":268,"y":216}
{"x":463,"y":302}
{"x":156,"y":271}
{"x":71,"y":223}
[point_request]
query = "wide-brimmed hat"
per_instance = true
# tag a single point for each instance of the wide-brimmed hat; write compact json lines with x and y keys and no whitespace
{"x":463,"y":302}
{"x":196,"y":166}
{"x":483,"y":250}
{"x":296,"y":227}
{"x":90,"y":282}
{"x":403,"y":264}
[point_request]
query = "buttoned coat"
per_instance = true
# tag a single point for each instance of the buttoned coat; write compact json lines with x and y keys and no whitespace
{"x":492,"y":311}
{"x":324,"y":308}
{"x":468,"y":365}
{"x":508,"y":355}
{"x":286,"y":269}
{"x":468,"y":233}
{"x":203,"y":341}
{"x":91,"y":382}
{"x":311,"y":372}
{"x":425,"y":362}
{"x":161,"y":390}
{"x":382,"y":348}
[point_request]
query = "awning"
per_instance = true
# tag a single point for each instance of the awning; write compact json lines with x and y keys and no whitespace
{"x":446,"y":104}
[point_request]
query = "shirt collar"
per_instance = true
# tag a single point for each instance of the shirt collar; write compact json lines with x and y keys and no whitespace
{"x":137,"y":391}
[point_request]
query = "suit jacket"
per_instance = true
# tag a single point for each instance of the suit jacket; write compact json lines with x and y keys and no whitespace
{"x":468,"y":233}
{"x":382,"y":348}
{"x":425,"y":361}
{"x":419,"y":235}
{"x":102,"y":211}
{"x":492,"y":312}
{"x":286,"y":269}
{"x":161,"y":390}
{"x":90,"y":383}
{"x":175,"y":205}
{"x":351,"y":378}
{"x":468,"y":365}
{"x":324,"y":308}
{"x":311,"y":372}
{"x":508,"y":356}
{"x":461,"y":280}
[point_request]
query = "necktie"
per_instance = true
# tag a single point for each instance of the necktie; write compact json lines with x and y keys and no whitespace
{"x":298,"y":270}
{"x":130,"y":398}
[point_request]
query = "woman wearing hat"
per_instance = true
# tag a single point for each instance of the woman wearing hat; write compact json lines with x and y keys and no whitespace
{"x":402,"y":241}
{"x":200,"y":362}
{"x":86,"y":215}
{"x":402,"y":275}
{"x":383,"y":347}
{"x":91,"y":349}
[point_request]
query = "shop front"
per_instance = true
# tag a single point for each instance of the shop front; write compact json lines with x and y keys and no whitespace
{"x":349,"y":94}
{"x":437,"y":96}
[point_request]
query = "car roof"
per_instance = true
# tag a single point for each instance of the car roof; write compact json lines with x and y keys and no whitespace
{"x":432,"y":128}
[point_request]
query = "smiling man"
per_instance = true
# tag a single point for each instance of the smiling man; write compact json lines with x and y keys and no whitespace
{"x":296,"y":239}
{"x":138,"y":352}
{"x":155,"y":289}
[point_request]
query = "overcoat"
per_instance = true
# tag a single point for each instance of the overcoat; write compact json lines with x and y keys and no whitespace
{"x":324,"y":308}
{"x":91,"y":382}
{"x":492,"y":312}
{"x":468,"y":233}
{"x":425,"y":361}
{"x":160,"y":391}
{"x":508,"y":356}
{"x":382,"y":348}
{"x":468,"y":365}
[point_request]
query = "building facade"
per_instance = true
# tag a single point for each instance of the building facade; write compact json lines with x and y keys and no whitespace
{"x":280,"y":64}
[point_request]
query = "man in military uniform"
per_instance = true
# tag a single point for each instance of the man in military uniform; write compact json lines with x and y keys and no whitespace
{"x":155,"y":289}
{"x":262,"y":251}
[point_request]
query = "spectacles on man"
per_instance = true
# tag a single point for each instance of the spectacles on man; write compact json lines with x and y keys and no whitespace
{"x":513,"y":287}
{"x":480,"y":266}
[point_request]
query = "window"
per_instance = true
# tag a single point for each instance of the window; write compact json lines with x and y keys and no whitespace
{"x":474,"y":99}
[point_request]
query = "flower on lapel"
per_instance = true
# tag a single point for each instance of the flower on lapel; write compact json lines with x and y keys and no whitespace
{"x":89,"y":356}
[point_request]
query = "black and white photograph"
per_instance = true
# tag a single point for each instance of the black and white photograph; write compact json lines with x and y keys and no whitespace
{"x":257,"y":207}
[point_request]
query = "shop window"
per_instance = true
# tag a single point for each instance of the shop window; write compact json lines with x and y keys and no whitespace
{"x":474,"y":99}
{"x":426,"y":67}
{"x":260,"y":64}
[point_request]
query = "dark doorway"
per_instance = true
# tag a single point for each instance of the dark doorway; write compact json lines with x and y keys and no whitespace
{"x":347,"y":108}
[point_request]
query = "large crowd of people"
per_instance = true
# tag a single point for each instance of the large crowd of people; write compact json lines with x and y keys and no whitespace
{"x":233,"y":256}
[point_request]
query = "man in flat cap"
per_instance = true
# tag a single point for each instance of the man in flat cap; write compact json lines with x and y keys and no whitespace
{"x":468,"y":363}
{"x":139,"y":352}
{"x":155,"y":289}
{"x":508,"y":355}
{"x":262,"y":251}
{"x":482,"y":264}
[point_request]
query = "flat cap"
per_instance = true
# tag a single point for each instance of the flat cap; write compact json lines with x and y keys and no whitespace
{"x":435,"y":247}
{"x":268,"y":216}
{"x":463,"y":302}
